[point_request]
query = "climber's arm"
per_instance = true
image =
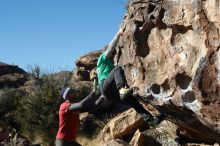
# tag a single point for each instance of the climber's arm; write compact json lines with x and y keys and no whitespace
{"x":83,"y":105}
{"x":112,"y":45}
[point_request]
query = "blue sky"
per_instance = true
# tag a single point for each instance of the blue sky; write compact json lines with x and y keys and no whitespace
{"x":54,"y":33}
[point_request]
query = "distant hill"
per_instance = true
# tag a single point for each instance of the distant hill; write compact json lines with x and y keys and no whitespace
{"x":12,"y":75}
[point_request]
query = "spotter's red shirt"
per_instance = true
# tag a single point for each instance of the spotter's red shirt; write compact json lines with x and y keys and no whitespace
{"x":68,"y":123}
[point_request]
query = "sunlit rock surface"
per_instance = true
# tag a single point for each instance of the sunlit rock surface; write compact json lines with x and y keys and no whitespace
{"x":170,"y":50}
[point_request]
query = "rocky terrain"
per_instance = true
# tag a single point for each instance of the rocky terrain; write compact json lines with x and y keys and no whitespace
{"x":170,"y":51}
{"x":12,"y":76}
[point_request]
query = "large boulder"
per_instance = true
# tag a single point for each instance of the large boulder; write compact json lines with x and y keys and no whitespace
{"x":167,"y":45}
{"x":163,"y":134}
{"x":86,"y":66}
{"x":138,"y":139}
{"x":121,"y":126}
{"x":170,"y":50}
{"x":89,"y":60}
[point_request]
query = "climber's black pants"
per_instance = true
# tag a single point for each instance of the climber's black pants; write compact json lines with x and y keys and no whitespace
{"x":114,"y":81}
{"x":110,"y":90}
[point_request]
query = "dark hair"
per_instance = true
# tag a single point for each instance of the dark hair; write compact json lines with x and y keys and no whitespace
{"x":66,"y":91}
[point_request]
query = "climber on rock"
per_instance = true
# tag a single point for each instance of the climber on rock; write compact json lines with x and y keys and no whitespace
{"x":112,"y":82}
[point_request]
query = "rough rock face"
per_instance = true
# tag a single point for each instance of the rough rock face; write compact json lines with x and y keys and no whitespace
{"x":170,"y":50}
{"x":11,"y":76}
{"x":138,"y":139}
{"x":123,"y":125}
{"x":86,"y":66}
{"x":88,"y":61}
{"x":163,"y":134}
{"x":173,"y":46}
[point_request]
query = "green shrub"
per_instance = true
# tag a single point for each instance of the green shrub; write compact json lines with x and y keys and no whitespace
{"x":9,"y":99}
{"x":38,"y":113}
{"x":34,"y":113}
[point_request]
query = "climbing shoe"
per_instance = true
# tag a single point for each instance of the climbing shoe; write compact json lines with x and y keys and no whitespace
{"x":125,"y":92}
{"x":153,"y":121}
